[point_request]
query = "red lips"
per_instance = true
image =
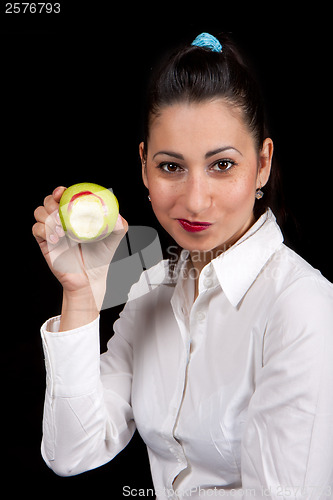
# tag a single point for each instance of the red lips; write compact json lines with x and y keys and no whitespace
{"x":193,"y":226}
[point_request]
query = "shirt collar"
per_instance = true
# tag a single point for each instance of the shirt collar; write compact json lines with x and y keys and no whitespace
{"x":238,"y":267}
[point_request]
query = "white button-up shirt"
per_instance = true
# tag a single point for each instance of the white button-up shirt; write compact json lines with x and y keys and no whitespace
{"x":231,"y":392}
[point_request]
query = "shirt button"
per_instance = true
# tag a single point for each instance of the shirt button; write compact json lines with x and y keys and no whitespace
{"x":208,"y":271}
{"x":208,"y":282}
{"x":200,"y":316}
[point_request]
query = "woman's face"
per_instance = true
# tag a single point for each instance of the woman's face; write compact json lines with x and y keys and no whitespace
{"x":202,"y":171}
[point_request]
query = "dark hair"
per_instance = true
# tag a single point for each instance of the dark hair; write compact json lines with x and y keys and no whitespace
{"x":196,"y":74}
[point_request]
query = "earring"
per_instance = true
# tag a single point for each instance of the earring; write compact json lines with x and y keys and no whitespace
{"x":259,"y":194}
{"x":149,"y":198}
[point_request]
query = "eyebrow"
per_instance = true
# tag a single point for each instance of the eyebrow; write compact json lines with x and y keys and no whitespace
{"x":170,"y":153}
{"x":207,"y":155}
{"x":221,"y":150}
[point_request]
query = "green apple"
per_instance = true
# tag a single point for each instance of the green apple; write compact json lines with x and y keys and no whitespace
{"x":88,"y":212}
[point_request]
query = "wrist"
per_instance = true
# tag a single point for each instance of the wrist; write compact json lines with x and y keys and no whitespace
{"x":78,"y":308}
{"x":84,"y":293}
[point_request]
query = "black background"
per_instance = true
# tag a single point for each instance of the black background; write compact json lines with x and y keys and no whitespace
{"x":71,"y":92}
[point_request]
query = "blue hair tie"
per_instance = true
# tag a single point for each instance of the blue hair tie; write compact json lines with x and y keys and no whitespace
{"x":207,"y":41}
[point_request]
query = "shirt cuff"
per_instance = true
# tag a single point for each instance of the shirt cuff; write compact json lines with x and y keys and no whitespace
{"x":72,"y":358}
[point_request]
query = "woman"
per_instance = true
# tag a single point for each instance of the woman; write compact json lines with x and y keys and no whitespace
{"x":223,"y":362}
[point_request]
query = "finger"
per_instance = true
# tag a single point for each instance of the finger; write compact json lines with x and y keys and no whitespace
{"x":58,"y":192}
{"x":53,"y":228}
{"x":41,"y":214}
{"x":38,"y":230}
{"x":42,"y":233}
{"x":51,"y":220}
{"x":50,"y":204}
{"x":60,"y":255}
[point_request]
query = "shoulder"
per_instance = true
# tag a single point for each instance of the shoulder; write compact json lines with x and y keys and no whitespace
{"x":302,"y":312}
{"x":306,"y":300}
{"x":297,"y":282}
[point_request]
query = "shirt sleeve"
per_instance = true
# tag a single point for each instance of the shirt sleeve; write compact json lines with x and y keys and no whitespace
{"x":288,"y":439}
{"x":88,"y":417}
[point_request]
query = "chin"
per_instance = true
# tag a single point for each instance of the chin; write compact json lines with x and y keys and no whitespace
{"x":195,"y":243}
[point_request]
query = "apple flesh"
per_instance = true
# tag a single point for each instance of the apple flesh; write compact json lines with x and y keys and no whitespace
{"x":88,"y":212}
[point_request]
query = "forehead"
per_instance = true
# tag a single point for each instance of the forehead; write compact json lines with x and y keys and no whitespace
{"x":199,"y":126}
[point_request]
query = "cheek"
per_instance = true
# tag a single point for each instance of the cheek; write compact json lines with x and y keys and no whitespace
{"x":238,"y":193}
{"x":163,"y":197}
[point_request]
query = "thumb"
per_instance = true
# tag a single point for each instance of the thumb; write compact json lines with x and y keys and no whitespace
{"x":58,"y":192}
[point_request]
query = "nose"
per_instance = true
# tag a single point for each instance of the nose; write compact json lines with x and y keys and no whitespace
{"x":197,"y":194}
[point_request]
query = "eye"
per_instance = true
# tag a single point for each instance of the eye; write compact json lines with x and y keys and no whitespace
{"x":169,"y":167}
{"x":223,"y":165}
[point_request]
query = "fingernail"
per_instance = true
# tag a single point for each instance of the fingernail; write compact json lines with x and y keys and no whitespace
{"x":60,"y":231}
{"x":57,"y":189}
{"x":53,"y":238}
{"x":57,"y":218}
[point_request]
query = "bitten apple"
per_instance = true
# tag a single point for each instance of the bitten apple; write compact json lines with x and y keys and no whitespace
{"x":88,"y":212}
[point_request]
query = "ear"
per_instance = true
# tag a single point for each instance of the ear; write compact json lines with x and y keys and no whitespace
{"x":265,"y":162}
{"x":143,"y":163}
